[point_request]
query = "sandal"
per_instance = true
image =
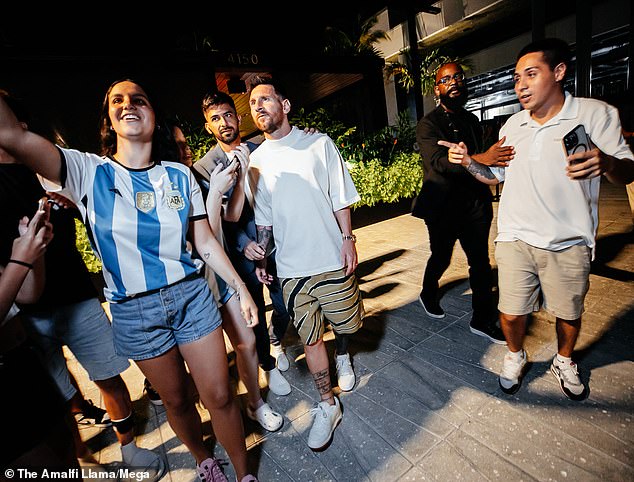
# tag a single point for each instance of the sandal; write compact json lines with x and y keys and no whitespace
{"x":265,"y":416}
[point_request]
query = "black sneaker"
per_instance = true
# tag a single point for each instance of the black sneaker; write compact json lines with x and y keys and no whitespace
{"x":432,"y":308}
{"x":488,"y":330}
{"x":152,"y":395}
{"x":91,"y":415}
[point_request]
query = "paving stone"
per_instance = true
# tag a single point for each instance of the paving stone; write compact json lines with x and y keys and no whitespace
{"x":541,"y":449}
{"x":427,"y":405}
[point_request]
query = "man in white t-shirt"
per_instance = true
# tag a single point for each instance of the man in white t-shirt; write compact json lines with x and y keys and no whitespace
{"x":302,"y":197}
{"x":547,"y":219}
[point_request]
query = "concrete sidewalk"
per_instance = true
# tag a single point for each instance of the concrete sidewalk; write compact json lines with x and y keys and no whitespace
{"x":427,"y":405}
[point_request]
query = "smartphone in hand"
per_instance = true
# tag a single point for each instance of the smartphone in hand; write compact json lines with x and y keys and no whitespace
{"x":226,"y":162}
{"x":236,"y":161}
{"x":43,"y":205}
{"x":577,"y":140}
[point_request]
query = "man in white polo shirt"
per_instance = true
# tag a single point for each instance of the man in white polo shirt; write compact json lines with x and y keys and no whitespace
{"x":547,"y":218}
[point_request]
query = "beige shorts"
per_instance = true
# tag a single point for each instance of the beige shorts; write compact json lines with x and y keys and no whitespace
{"x":332,"y":297}
{"x":562,"y":278}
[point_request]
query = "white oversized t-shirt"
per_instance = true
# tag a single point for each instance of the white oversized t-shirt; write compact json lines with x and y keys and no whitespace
{"x":301,"y":181}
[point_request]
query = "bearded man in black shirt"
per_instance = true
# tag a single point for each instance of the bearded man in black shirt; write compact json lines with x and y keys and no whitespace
{"x":454,"y":206}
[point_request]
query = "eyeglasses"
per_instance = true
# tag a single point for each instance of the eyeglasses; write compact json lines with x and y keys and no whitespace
{"x":458,"y":77}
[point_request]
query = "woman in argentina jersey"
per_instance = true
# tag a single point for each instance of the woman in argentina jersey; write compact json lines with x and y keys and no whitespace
{"x":140,"y":208}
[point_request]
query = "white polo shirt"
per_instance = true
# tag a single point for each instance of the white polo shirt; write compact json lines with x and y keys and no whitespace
{"x":539,"y":204}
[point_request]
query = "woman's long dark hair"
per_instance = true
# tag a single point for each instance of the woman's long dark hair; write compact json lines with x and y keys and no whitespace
{"x":164,"y":146}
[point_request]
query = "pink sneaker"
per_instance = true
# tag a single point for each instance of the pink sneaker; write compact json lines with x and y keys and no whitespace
{"x":209,"y":471}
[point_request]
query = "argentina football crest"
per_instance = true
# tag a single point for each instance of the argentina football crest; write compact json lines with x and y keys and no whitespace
{"x":145,"y":201}
{"x":175,"y":200}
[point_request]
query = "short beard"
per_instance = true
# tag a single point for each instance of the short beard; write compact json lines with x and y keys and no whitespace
{"x":228,"y":140}
{"x":267,"y":126}
{"x":454,"y":103}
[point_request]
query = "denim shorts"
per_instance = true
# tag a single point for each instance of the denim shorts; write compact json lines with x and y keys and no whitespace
{"x":85,"y":328}
{"x":226,"y":291}
{"x":149,"y":325}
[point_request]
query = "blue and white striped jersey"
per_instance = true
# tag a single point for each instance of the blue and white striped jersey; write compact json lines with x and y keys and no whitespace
{"x":137,"y":219}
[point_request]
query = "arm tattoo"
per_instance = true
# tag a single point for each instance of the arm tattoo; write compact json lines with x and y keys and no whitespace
{"x":476,"y":168}
{"x":322,"y":381}
{"x":265,"y":236}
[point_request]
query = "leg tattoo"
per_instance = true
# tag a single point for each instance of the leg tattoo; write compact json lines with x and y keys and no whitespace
{"x":322,"y":382}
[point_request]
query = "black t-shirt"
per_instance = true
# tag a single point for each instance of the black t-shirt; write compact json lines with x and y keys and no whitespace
{"x":449,"y":190}
{"x":67,"y":278}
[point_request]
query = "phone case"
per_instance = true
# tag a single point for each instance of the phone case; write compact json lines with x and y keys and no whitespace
{"x":226,"y":162}
{"x":41,"y":204}
{"x":576,"y":140}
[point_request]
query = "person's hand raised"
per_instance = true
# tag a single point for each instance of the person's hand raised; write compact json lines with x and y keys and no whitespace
{"x":457,"y":153}
{"x":497,"y":155}
{"x":222,"y":179}
{"x":35,"y":235}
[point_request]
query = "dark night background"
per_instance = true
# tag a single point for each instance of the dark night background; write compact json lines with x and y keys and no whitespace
{"x":60,"y":61}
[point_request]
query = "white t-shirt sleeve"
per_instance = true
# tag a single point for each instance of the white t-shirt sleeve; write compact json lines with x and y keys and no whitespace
{"x":606,"y":133}
{"x":342,"y":190}
{"x":499,"y":173}
{"x":262,"y":201}
{"x":78,"y":165}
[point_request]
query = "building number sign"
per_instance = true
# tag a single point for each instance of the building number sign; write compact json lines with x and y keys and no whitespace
{"x":243,"y":59}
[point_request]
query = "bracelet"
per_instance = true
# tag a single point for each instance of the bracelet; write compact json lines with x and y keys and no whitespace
{"x":21,"y":263}
{"x":239,"y":285}
{"x":349,"y":237}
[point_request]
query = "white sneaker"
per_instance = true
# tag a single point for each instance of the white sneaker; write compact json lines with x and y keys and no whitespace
{"x":277,"y":383}
{"x":512,"y":371}
{"x":265,"y":416}
{"x":568,"y":378}
{"x":326,"y":419}
{"x":345,"y":373}
{"x":144,"y":460}
{"x":281,"y":360}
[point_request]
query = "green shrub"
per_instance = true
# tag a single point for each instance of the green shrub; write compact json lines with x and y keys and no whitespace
{"x":383,"y":164}
{"x":376,"y":182}
{"x":199,"y":140}
{"x":344,"y":137}
{"x":83,"y":246}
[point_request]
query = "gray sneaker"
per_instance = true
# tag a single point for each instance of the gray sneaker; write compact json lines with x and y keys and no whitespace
{"x":326,"y":418}
{"x":146,"y":461}
{"x":281,"y":360}
{"x":276,"y":382}
{"x":568,"y":378}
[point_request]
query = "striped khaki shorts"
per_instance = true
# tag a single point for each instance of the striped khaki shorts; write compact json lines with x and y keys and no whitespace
{"x":332,"y":297}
